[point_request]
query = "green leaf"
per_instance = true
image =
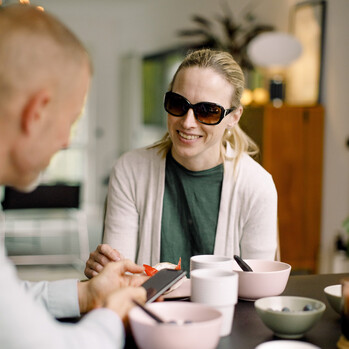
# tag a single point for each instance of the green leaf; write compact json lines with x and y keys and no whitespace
{"x":234,"y":36}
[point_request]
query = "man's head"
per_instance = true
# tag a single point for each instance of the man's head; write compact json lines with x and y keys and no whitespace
{"x":44,"y":78}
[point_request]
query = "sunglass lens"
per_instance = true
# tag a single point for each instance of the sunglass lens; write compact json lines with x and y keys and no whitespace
{"x":175,"y":104}
{"x":208,"y":113}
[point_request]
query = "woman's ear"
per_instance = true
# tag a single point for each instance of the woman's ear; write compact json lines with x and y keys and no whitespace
{"x":235,"y":117}
{"x":34,"y":110}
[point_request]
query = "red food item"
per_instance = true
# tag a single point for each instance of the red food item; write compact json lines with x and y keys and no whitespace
{"x":178,"y":267}
{"x":150,"y":271}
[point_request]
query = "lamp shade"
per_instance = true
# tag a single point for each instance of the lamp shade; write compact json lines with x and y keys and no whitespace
{"x":274,"y":49}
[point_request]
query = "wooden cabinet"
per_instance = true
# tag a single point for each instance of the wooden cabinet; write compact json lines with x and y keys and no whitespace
{"x":291,"y":143}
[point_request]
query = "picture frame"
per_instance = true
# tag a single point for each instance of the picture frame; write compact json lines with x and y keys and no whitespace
{"x":305,"y":75}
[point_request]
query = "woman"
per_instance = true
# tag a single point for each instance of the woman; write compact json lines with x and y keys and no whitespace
{"x":197,"y":190}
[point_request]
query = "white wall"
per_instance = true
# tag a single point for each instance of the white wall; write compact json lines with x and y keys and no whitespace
{"x":335,"y":205}
{"x":115,"y":29}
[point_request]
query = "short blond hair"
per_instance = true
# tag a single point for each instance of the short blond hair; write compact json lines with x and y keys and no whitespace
{"x":34,"y":45}
{"x":224,"y":64}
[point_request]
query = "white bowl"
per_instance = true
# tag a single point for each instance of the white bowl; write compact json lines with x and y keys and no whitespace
{"x":269,"y":278}
{"x":203,"y":332}
{"x":334,"y":296}
{"x":293,"y":323}
{"x":286,"y":344}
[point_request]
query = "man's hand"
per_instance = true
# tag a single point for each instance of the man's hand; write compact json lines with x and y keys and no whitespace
{"x":121,"y":301}
{"x":98,"y":259}
{"x":94,"y":293}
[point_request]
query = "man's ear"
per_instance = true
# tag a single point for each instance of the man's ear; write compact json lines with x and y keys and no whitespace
{"x":34,"y":111}
{"x":235,"y":117}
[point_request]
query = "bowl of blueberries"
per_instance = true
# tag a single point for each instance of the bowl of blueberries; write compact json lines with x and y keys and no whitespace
{"x":288,"y":316}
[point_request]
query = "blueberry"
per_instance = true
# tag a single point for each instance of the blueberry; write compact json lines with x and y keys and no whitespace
{"x":308,"y":307}
{"x":286,"y":310}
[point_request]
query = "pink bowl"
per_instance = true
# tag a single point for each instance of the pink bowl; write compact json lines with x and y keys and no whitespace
{"x":202,"y":332}
{"x":269,"y":278}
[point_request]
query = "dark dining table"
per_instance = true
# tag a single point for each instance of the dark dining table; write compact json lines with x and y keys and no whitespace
{"x":248,"y":329}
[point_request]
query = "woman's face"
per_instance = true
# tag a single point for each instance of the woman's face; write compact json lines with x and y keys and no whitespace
{"x":197,"y":146}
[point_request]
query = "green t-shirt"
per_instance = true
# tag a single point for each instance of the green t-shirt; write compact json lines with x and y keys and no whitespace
{"x":190,"y":212}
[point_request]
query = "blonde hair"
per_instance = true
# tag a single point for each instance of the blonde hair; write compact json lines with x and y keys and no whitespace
{"x":225,"y":65}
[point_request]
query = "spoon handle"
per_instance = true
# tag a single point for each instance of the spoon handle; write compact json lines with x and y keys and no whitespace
{"x":242,"y":264}
{"x":151,"y":314}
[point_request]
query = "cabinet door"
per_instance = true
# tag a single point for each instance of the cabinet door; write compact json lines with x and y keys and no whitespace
{"x":313,"y":163}
{"x":292,"y":153}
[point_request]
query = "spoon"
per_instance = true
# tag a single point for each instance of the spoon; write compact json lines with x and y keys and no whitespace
{"x":159,"y":320}
{"x":242,"y":264}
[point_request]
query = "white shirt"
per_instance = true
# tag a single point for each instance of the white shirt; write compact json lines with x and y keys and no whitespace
{"x":27,"y":312}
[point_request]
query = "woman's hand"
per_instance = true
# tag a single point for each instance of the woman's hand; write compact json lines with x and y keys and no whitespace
{"x":98,"y":259}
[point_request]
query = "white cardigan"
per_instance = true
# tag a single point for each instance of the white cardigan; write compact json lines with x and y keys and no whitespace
{"x":247,"y":222}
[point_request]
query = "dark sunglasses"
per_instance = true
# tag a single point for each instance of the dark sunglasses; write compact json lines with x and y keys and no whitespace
{"x":205,"y":112}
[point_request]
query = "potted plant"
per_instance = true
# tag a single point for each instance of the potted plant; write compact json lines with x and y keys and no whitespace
{"x":231,"y":35}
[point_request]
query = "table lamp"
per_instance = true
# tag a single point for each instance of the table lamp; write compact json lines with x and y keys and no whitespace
{"x":273,"y":52}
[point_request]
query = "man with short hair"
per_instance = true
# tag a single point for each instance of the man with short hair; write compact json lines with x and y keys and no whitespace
{"x":44,"y":77}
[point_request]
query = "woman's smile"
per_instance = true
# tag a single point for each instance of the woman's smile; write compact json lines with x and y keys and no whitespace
{"x":188,"y":136}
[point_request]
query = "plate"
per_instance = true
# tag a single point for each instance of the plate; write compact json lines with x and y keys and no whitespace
{"x":183,"y":291}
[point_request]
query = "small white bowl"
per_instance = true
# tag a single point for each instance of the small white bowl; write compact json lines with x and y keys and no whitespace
{"x":293,"y":323}
{"x":286,"y":344}
{"x":269,"y":278}
{"x":203,"y":332}
{"x":334,"y":296}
